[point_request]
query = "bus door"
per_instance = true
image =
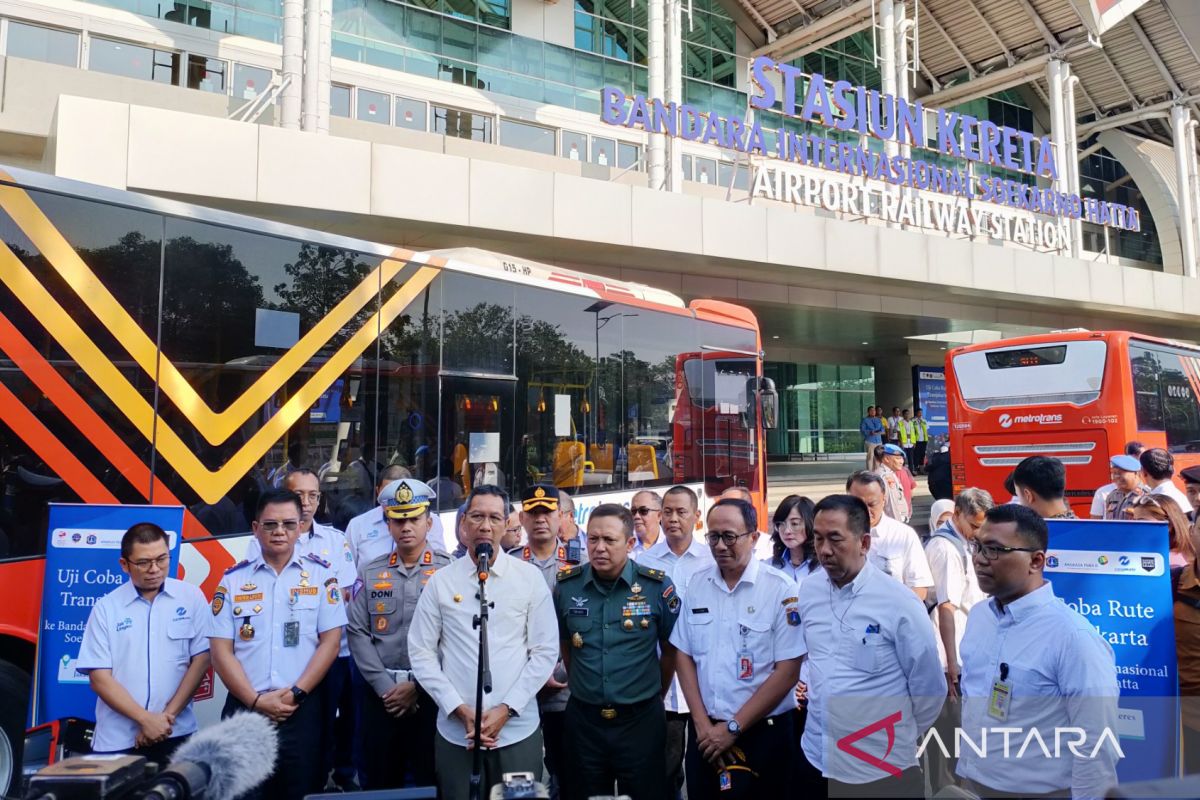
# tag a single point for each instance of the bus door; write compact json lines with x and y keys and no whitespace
{"x":476,"y":432}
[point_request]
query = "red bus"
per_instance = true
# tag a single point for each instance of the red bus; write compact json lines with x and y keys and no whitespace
{"x":1076,"y":395}
{"x":154,"y":351}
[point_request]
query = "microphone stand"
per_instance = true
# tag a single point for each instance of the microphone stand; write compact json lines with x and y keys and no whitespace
{"x":483,"y":675}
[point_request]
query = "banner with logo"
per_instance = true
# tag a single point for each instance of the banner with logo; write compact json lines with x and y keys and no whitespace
{"x":1117,"y":575}
{"x":930,"y":397}
{"x":81,"y":567}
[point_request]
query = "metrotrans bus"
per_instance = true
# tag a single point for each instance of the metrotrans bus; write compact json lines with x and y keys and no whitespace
{"x":1078,"y":396}
{"x":158,"y":352}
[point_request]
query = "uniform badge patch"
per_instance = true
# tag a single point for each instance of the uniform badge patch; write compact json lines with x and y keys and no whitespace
{"x":218,"y":601}
{"x":793,"y":616}
{"x":381,"y":624}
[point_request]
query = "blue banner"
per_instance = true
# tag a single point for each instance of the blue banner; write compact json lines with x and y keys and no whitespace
{"x":81,"y":567}
{"x":929,"y":385}
{"x":1117,"y":575}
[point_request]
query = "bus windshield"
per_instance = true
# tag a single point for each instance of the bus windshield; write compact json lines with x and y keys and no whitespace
{"x":1066,"y":372}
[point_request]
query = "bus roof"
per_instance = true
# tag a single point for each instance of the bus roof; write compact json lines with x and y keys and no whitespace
{"x":1073,"y":335}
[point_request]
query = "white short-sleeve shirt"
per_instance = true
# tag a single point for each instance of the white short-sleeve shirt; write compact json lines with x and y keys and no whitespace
{"x":954,"y":582}
{"x":896,"y":550}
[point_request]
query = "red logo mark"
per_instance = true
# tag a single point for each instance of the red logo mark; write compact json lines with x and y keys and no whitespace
{"x":846,"y":743}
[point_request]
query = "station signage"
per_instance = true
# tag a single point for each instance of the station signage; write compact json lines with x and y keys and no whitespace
{"x":838,"y":115}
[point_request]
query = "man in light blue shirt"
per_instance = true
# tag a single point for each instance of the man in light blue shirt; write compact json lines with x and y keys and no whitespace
{"x":871,"y":428}
{"x":145,"y":650}
{"x":1032,"y":663}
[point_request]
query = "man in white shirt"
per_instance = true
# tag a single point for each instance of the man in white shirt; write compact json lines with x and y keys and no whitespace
{"x":1158,"y":467}
{"x":646,"y":507}
{"x":680,"y":554}
{"x":876,"y":684}
{"x":739,"y":649}
{"x":895,"y":547}
{"x":145,"y":650}
{"x":1032,"y":663}
{"x":368,"y":532}
{"x":956,"y":590}
{"x":443,"y":648}
{"x":1100,"y":498}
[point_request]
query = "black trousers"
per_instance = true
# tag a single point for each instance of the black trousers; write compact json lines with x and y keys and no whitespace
{"x":552,"y":735}
{"x":159,"y":753}
{"x":338,"y":720}
{"x":298,"y":766}
{"x":766,"y":770}
{"x":394,"y":747}
{"x":677,"y":737}
{"x":909,"y":783}
{"x":919,"y":455}
{"x":626,"y":749}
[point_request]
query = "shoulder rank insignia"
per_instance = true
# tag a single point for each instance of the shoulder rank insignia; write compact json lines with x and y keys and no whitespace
{"x":650,"y":572}
{"x":238,"y":565}
{"x":569,"y":572}
{"x":316,"y":559}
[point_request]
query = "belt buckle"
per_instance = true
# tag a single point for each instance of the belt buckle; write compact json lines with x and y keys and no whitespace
{"x":608,"y":713}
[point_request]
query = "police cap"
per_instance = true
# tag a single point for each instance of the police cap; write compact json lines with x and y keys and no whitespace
{"x":410,"y":499}
{"x":1190,"y":475}
{"x":540,"y":495}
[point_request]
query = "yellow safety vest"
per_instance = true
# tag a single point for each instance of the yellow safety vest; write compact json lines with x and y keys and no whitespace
{"x":921,"y":429}
{"x":907,"y":434}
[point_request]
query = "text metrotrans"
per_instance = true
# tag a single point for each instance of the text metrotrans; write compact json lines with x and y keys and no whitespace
{"x":844,"y":107}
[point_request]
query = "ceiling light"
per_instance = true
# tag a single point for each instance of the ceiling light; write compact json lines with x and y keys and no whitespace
{"x":774,"y":337}
{"x":866,"y":342}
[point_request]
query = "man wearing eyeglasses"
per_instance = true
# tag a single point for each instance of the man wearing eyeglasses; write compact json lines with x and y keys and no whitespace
{"x":740,"y":647}
{"x":876,"y":684}
{"x":679,"y":553}
{"x":145,"y":650}
{"x":646,"y":508}
{"x":1032,"y":663}
{"x":542,"y":522}
{"x":613,"y":616}
{"x":337,"y":697}
{"x":399,"y":718}
{"x":278,"y":623}
{"x":443,"y":648}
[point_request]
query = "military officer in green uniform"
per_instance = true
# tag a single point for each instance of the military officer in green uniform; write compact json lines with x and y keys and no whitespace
{"x":399,"y":718}
{"x":614,"y":617}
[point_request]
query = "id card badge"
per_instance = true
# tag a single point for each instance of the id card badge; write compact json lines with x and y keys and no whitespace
{"x":291,"y":633}
{"x":745,"y":670}
{"x":726,"y":781}
{"x":999,"y":700}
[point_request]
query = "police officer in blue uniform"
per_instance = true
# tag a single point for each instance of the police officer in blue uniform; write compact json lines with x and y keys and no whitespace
{"x":614,"y":617}
{"x":399,"y":720}
{"x":277,"y":624}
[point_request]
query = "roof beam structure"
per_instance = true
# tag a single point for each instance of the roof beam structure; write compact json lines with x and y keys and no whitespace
{"x":749,"y":8}
{"x":1050,"y":39}
{"x":971,"y":72}
{"x":987,"y":26}
{"x":1152,"y":51}
{"x":988,"y":83}
{"x":821,"y":32}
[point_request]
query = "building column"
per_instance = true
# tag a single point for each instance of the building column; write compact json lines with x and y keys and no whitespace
{"x":312,"y":47}
{"x":675,"y":88}
{"x":1180,"y":116}
{"x":1075,"y":226}
{"x":656,"y":74}
{"x":293,"y":63}
{"x":325,"y":66}
{"x":887,"y":66}
{"x":903,"y":79}
{"x":1056,"y":80}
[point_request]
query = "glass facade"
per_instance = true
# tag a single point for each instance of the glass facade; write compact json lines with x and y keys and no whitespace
{"x":820,"y":407}
{"x":1104,"y":178}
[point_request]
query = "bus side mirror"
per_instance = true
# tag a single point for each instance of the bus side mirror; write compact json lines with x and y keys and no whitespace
{"x":768,"y":401}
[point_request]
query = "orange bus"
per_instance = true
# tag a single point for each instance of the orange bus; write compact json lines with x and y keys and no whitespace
{"x":157,"y":352}
{"x":1076,"y":395}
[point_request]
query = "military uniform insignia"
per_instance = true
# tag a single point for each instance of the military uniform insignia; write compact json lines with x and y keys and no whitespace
{"x":427,"y":558}
{"x":526,"y":554}
{"x":645,"y":623}
{"x":218,"y":601}
{"x":627,"y":624}
{"x":258,"y":609}
{"x":787,"y":601}
{"x":247,"y":598}
{"x":316,"y":559}
{"x":404,"y":494}
{"x":458,"y":598}
{"x":539,"y":493}
{"x":246,"y":632}
{"x":248,"y":587}
{"x":303,"y":578}
{"x":793,"y":616}
{"x":382,"y":585}
{"x":238,"y":565}
{"x":576,"y":640}
{"x":428,"y":572}
{"x":237,"y":611}
{"x":569,"y":572}
{"x":384,"y":575}
{"x":562,"y":553}
{"x":674,"y":603}
{"x":332,"y":594}
{"x":393,"y":561}
{"x":636,"y":588}
{"x":381,"y":624}
{"x":667,"y":592}
{"x":379,"y":607}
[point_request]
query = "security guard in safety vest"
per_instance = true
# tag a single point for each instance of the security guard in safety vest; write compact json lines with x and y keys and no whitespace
{"x":921,"y":430}
{"x":542,"y":522}
{"x":614,"y":615}
{"x":278,"y":623}
{"x":399,"y":718}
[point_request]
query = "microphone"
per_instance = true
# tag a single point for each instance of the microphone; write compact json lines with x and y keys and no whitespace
{"x":221,"y":762}
{"x":483,"y":559}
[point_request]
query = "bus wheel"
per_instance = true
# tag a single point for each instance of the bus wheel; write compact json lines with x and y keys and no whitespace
{"x":14,"y":697}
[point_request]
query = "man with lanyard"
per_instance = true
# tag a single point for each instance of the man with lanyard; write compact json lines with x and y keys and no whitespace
{"x":279,"y":619}
{"x":1041,"y":484}
{"x":892,"y":426}
{"x":614,"y":614}
{"x":739,"y":649}
{"x":646,"y":508}
{"x":679,"y":553}
{"x":145,"y":650}
{"x":368,"y":532}
{"x":908,"y":439}
{"x":443,"y":647}
{"x":871,"y":429}
{"x":1032,"y":663}
{"x":921,"y":433}
{"x":876,"y":684}
{"x":542,"y":522}
{"x":399,"y":718}
{"x":337,"y":697}
{"x":1127,"y":484}
{"x":895,"y":547}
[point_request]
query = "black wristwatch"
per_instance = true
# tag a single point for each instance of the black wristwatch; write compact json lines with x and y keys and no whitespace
{"x":298,"y":694}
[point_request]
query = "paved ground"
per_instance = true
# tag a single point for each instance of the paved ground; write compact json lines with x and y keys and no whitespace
{"x":815,"y":480}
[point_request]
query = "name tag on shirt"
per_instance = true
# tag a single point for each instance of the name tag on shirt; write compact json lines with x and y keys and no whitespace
{"x":999,"y":700}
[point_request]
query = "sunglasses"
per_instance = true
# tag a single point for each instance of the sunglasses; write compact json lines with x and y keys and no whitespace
{"x":643,"y":511}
